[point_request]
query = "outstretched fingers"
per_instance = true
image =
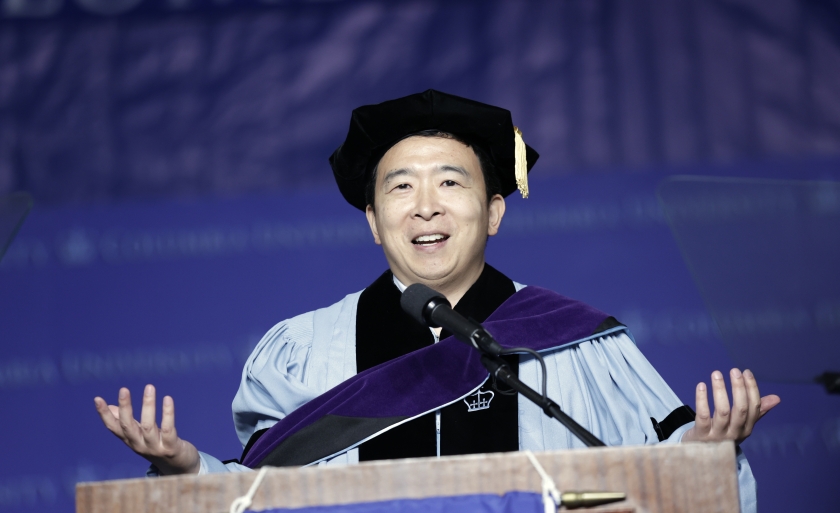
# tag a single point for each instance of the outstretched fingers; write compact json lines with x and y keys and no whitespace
{"x":738,"y":425}
{"x":753,"y":399}
{"x":759,"y":406}
{"x":148,"y":427}
{"x":768,"y":402}
{"x":168,"y":434}
{"x":129,"y":426}
{"x":109,"y":417}
{"x":720,"y":422}
{"x":161,"y":446}
{"x":735,"y":423}
{"x":703,"y":416}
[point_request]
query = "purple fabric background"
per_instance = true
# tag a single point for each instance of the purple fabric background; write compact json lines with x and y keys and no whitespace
{"x":533,"y":317}
{"x":177,"y":152}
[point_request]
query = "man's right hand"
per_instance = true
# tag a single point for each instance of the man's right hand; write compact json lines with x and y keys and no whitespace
{"x":161,"y":446}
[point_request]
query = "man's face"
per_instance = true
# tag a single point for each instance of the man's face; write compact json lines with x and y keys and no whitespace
{"x":432,"y":217}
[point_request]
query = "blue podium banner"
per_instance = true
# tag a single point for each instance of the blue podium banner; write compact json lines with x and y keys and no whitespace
{"x":511,"y":502}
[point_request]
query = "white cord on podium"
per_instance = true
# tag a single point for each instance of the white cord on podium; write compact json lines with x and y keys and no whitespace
{"x":240,"y":504}
{"x":550,"y":494}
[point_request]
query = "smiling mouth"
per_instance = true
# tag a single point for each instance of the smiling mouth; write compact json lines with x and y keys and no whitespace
{"x":428,"y":240}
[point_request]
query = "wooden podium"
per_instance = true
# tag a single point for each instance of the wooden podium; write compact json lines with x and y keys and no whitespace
{"x":662,"y":478}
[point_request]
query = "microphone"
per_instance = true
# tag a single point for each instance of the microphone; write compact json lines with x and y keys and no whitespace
{"x":430,"y":308}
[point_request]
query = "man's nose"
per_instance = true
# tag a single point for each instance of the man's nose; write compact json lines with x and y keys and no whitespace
{"x":428,"y":204}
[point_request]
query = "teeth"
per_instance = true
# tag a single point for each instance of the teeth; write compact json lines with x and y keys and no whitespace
{"x":429,"y":238}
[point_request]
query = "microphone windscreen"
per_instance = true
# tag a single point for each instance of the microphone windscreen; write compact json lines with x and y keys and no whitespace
{"x":415,"y":298}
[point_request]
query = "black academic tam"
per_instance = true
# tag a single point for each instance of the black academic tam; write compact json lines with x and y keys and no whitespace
{"x":375,"y":128}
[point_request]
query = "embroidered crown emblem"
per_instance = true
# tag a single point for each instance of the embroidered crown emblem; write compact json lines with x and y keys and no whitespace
{"x":479,"y":400}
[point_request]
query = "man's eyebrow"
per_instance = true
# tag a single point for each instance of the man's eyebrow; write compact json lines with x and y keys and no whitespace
{"x":390,"y":175}
{"x":457,"y":169}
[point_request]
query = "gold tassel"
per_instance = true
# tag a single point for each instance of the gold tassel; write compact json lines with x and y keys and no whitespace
{"x":521,"y":165}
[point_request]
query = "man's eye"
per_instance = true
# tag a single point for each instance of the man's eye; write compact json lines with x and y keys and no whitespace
{"x":449,"y":183}
{"x":402,"y":186}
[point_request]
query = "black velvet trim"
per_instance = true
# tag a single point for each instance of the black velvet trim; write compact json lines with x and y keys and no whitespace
{"x":607,"y":324}
{"x":495,"y":429}
{"x":385,"y":332}
{"x":251,"y":441}
{"x":675,"y":420}
{"x":324,"y":437}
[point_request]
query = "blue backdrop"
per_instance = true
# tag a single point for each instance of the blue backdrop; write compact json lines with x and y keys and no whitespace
{"x":177,"y":154}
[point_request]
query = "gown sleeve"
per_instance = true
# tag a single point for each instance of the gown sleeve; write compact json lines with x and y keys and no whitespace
{"x":274,"y":377}
{"x":273,"y":385}
{"x":610,"y":388}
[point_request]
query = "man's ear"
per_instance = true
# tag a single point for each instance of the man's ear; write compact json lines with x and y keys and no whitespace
{"x":496,"y":211}
{"x":371,"y":218}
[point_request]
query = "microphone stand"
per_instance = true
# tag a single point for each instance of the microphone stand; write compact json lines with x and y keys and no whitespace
{"x":501,"y":371}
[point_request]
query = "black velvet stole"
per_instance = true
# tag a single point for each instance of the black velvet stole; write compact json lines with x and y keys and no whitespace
{"x":384,"y":332}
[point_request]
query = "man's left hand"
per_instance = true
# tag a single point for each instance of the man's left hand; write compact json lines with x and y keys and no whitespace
{"x":735,"y":423}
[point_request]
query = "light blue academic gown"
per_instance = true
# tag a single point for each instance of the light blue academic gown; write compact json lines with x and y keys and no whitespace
{"x":604,"y":383}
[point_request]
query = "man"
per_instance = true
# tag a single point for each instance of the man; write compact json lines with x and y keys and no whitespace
{"x":430,"y":171}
